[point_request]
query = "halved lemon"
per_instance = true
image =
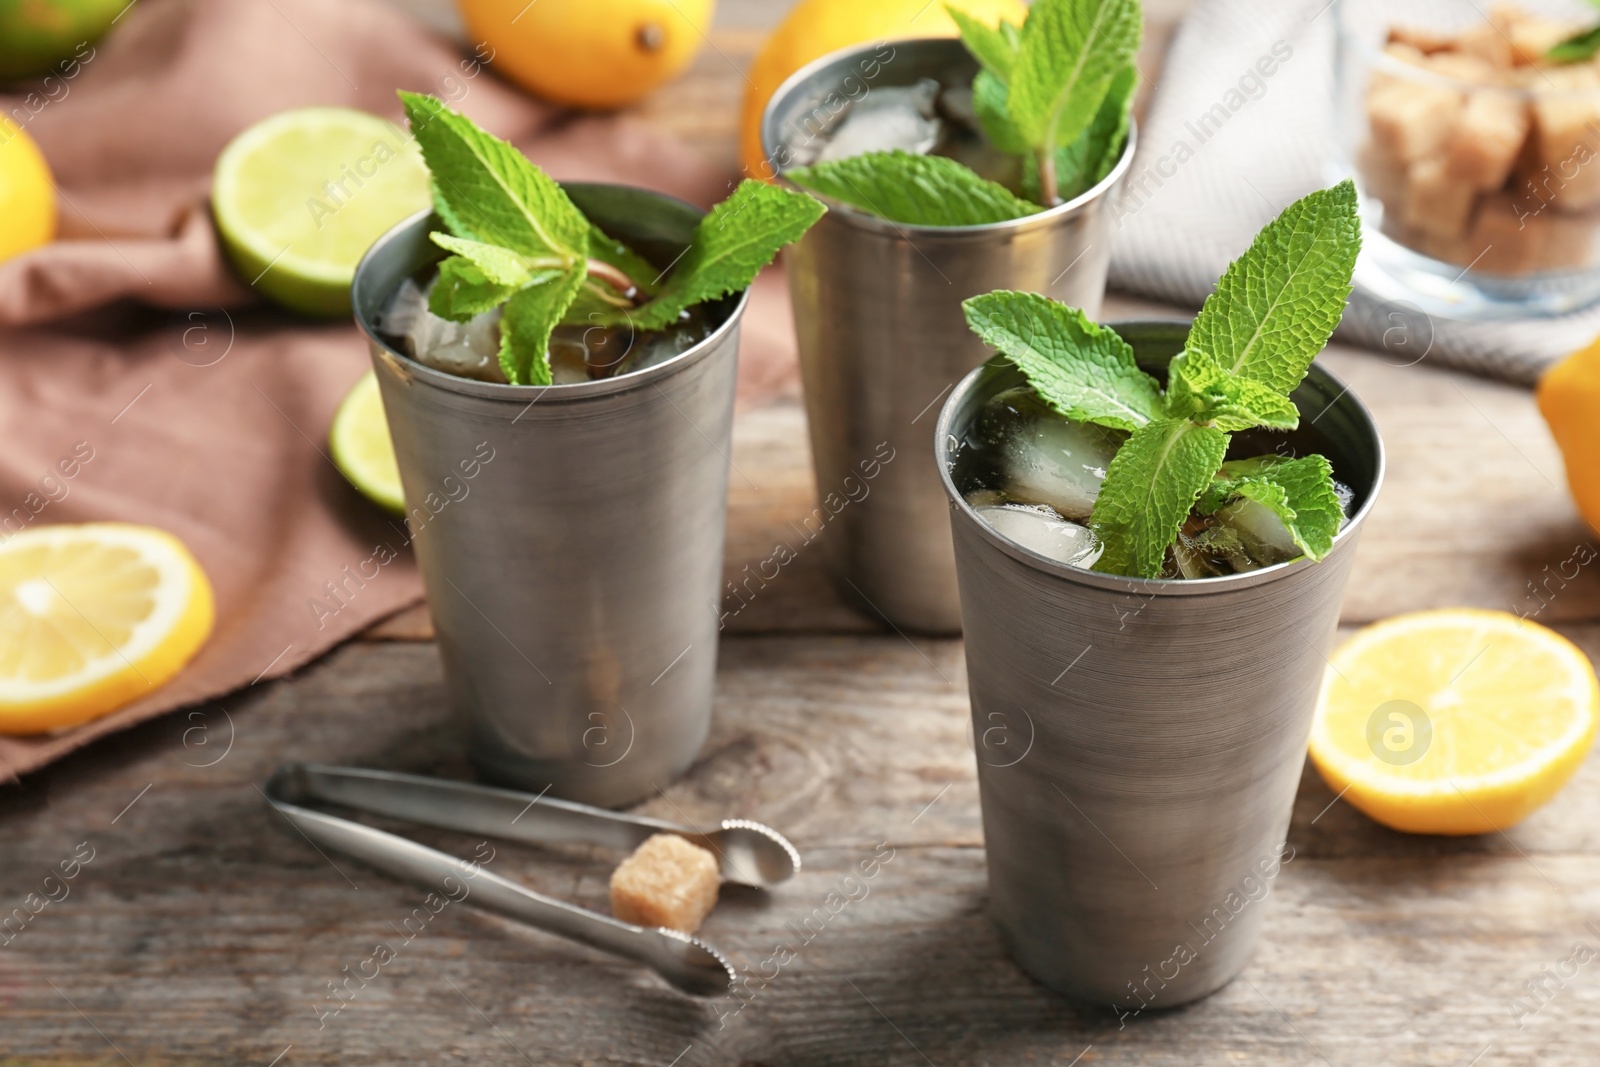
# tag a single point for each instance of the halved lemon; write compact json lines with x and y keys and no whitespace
{"x":93,"y":617}
{"x":362,"y":448}
{"x":299,"y":198}
{"x":1456,"y":721}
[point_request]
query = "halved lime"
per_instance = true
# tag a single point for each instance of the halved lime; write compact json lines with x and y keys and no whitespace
{"x":300,"y":197}
{"x":362,"y":449}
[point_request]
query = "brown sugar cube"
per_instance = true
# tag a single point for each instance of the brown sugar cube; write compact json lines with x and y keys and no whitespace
{"x":667,"y":881}
{"x":1487,"y":41}
{"x":1506,"y":232}
{"x":1567,"y":125}
{"x":1488,"y":135}
{"x":1410,"y":120}
{"x":1436,"y":203}
{"x":1566,"y":242}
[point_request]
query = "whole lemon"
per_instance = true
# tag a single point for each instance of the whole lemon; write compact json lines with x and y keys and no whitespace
{"x":1569,"y":398}
{"x":27,"y":193}
{"x":817,"y":27}
{"x":588,"y":53}
{"x":39,"y":36}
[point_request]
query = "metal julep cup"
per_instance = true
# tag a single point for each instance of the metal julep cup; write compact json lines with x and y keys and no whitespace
{"x":882,"y":337}
{"x":573,"y":573}
{"x":1140,"y":741}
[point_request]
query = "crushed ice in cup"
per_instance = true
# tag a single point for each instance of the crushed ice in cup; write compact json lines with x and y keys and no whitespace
{"x":577,"y":353}
{"x":887,"y":118}
{"x":1039,"y":529}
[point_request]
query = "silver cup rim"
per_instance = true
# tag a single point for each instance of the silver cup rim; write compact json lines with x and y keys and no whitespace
{"x":524,"y":394}
{"x":861,"y":220}
{"x":1151,"y":586}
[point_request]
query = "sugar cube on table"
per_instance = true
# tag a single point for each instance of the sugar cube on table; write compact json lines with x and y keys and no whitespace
{"x":1488,"y":135}
{"x":667,"y":881}
{"x":1436,"y":203}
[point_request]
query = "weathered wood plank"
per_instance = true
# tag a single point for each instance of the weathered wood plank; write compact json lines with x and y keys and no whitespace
{"x":204,"y":933}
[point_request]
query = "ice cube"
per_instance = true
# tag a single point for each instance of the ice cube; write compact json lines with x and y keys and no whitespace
{"x":1265,"y":536}
{"x":1040,"y":529}
{"x":1042,"y":457}
{"x":469,"y":349}
{"x":893,"y":117}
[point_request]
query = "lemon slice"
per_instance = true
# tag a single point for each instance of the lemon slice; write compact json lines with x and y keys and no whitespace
{"x":299,"y":198}
{"x":91,"y":618}
{"x":362,"y":449}
{"x":1458,"y":721}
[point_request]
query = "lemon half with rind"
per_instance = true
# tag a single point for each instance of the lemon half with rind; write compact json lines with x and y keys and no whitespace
{"x":93,"y":617}
{"x":1455,"y":721}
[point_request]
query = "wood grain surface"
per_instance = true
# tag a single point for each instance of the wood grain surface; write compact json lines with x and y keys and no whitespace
{"x":205,"y":931}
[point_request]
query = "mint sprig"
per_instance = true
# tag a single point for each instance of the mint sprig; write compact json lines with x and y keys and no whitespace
{"x":914,"y":190}
{"x":1250,"y":346}
{"x":1057,"y":91}
{"x":1048,"y":99}
{"x":519,"y":242}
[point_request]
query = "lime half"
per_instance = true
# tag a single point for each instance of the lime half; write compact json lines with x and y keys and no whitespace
{"x":300,"y":197}
{"x":362,"y":449}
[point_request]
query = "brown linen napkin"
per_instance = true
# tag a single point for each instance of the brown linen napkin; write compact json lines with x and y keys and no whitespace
{"x":201,"y":409}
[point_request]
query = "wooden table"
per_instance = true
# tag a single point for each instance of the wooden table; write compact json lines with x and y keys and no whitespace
{"x":204,"y":932}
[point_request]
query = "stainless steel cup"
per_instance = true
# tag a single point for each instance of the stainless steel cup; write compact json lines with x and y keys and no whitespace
{"x":1140,"y":741}
{"x":882,"y":338}
{"x":570,"y":536}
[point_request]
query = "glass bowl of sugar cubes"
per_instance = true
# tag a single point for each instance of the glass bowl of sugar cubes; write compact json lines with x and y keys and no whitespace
{"x":1474,"y":136}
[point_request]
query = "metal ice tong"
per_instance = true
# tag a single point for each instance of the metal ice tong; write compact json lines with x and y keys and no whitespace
{"x":750,"y":854}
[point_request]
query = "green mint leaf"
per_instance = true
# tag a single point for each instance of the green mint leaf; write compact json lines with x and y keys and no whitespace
{"x":1299,"y":491}
{"x":914,"y":190}
{"x":463,"y":291}
{"x":991,"y":101}
{"x":731,"y":244}
{"x":1085,"y":372}
{"x":1069,"y":54}
{"x":988,"y":44}
{"x":1577,"y":48}
{"x":1199,"y":390}
{"x":1084,"y":163}
{"x":1277,"y":305}
{"x":499,"y":265}
{"x":1150,"y":486}
{"x":530,"y":315}
{"x":485,"y":190}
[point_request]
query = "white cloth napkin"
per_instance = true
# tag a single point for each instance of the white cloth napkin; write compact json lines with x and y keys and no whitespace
{"x":1199,"y":190}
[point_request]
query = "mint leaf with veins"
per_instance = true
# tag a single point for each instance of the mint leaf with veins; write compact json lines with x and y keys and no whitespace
{"x":1149,"y":489}
{"x":462,"y":291}
{"x":992,"y":46}
{"x":991,"y":103}
{"x":1199,"y":390}
{"x":1276,"y":306}
{"x":1299,"y":492}
{"x":914,"y":190}
{"x":731,"y":245}
{"x":1085,"y":372}
{"x":530,"y":316}
{"x":1069,"y":53}
{"x":1084,"y":163}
